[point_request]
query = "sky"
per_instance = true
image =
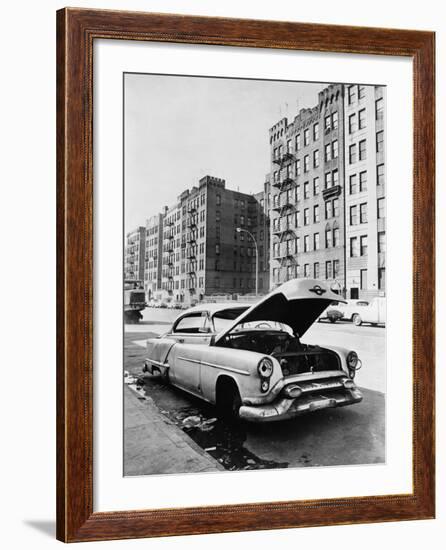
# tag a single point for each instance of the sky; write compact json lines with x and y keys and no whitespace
{"x":178,"y":129}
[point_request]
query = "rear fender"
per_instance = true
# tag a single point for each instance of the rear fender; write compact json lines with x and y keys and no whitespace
{"x":158,"y":349}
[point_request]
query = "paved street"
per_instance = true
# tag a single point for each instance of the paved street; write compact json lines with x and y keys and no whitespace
{"x":350,"y":435}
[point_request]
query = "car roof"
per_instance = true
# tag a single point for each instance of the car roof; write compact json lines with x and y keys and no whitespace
{"x":215,"y":307}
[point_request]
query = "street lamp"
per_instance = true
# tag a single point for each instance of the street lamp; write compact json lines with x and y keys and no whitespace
{"x":239,"y":230}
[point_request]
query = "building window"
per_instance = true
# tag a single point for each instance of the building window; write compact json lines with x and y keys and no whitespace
{"x":307,"y":243}
{"x":380,"y":174}
{"x":316,"y":131}
{"x":334,"y":120}
{"x":351,"y":94}
{"x":336,"y":265}
{"x":335,"y":207}
{"x":297,"y":245}
{"x":362,"y":121}
{"x":381,"y":208}
{"x":363,"y":181}
{"x":328,"y":180}
{"x":316,"y":158}
{"x":218,"y":199}
{"x":335,"y":149}
{"x":362,"y":150}
{"x":354,"y":248}
{"x":306,"y":137}
{"x":381,"y":242}
{"x":316,"y":270}
{"x":316,"y":186}
{"x":217,"y":215}
{"x":288,"y":146}
{"x":327,"y":152}
{"x":363,"y":273}
{"x":336,"y":237}
{"x":297,"y":193}
{"x":306,"y":270}
{"x":352,"y":123}
{"x":217,"y":249}
{"x":242,"y":220}
{"x":380,"y":142}
{"x":316,"y":241}
{"x":382,"y":278}
{"x":298,"y":142}
{"x":316,"y":213}
{"x":335,"y":178}
{"x":354,"y":215}
{"x":298,"y":168}
{"x":306,"y":216}
{"x":306,"y":190}
{"x":363,"y":212}
{"x":363,"y":245}
{"x":353,"y":184}
{"x":328,"y":238}
{"x":328,"y":270}
{"x":352,"y":154}
{"x":328,"y":210}
{"x":361,"y":92}
{"x":306,"y":163}
{"x":327,"y":123}
{"x":379,"y":109}
{"x":296,"y":219}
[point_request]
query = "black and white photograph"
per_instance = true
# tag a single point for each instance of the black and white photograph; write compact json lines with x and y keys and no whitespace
{"x":254,"y":274}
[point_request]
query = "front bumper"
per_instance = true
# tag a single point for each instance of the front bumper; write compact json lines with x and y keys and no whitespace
{"x":284,"y":407}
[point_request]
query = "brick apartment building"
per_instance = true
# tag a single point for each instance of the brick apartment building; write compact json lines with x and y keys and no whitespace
{"x":134,"y":254}
{"x":365,"y":191}
{"x":153,"y":254}
{"x":203,"y":254}
{"x":318,"y":162}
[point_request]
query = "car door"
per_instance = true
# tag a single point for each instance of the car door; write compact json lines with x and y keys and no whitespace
{"x":185,"y":367}
{"x":192,"y":328}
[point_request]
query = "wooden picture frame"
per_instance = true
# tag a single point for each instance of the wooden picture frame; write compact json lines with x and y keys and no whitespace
{"x":76,"y":31}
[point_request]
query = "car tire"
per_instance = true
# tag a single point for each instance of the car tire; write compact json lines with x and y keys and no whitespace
{"x":357,"y":321}
{"x":229,"y":401}
{"x":332,"y":319}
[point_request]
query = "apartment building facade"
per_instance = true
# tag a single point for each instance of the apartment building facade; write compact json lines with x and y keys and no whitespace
{"x":307,"y":193}
{"x":365,"y":191}
{"x":326,"y":222}
{"x":134,"y":254}
{"x":207,"y":248}
{"x":153,"y":257}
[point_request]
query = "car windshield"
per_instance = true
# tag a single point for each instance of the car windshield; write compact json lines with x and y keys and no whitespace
{"x":224,"y":319}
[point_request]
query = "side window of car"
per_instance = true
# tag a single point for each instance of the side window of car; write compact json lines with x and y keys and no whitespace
{"x":191,"y":324}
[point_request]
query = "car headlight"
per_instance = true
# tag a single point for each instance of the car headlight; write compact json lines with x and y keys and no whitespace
{"x":352,"y":363}
{"x":265,"y":367}
{"x":352,"y":360}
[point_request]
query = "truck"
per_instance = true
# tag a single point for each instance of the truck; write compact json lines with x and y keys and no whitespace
{"x":134,"y":300}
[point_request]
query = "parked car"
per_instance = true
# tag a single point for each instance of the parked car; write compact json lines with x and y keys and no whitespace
{"x":332,"y":313}
{"x":250,"y":361}
{"x":362,"y":311}
{"x":373,"y":312}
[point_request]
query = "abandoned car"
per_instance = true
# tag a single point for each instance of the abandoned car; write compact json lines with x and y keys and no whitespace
{"x":250,"y":361}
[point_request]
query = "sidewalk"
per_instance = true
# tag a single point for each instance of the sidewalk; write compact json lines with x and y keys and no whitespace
{"x":154,"y":445}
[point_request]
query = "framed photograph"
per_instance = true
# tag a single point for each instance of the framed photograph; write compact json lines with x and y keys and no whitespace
{"x":245,"y":275}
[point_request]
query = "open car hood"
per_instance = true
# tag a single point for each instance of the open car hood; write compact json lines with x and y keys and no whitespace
{"x":296,"y":303}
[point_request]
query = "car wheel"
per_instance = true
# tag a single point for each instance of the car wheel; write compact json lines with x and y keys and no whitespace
{"x":357,"y":321}
{"x":228,"y":401}
{"x":332,"y":319}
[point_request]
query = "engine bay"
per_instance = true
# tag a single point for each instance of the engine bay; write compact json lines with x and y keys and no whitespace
{"x":294,"y":356}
